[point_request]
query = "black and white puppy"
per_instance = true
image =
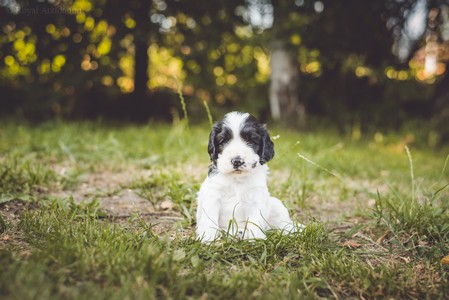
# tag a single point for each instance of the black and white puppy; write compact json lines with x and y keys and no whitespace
{"x":234,"y":197}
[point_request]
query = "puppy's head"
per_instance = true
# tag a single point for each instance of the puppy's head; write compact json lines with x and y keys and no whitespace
{"x":238,"y":143}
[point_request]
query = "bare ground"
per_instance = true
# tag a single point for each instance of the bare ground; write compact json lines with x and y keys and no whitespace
{"x":120,"y":203}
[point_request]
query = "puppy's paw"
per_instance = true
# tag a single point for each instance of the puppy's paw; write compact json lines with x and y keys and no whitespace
{"x":207,"y":235}
{"x":299,"y":227}
{"x":253,"y":232}
{"x":293,"y":228}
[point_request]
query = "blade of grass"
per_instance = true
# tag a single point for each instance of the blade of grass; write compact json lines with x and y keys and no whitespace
{"x":444,"y":167}
{"x":412,"y":175}
{"x":209,"y":115}
{"x":320,"y":167}
{"x":183,"y":102}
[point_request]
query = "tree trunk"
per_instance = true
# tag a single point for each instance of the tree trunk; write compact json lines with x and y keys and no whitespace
{"x":141,"y":67}
{"x":284,"y":98}
{"x":141,"y":42}
{"x":440,"y":114}
{"x":284,"y":77}
{"x":139,"y":104}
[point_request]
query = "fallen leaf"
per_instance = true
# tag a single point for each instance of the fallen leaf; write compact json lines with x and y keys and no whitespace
{"x":25,"y":254}
{"x":445,"y":260}
{"x":423,"y":243}
{"x":351,"y":244}
{"x":381,"y":239}
{"x":405,"y":259}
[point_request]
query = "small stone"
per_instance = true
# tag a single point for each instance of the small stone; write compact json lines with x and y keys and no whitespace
{"x":166,"y":205}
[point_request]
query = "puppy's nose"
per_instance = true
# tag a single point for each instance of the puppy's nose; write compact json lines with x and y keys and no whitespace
{"x":237,"y":162}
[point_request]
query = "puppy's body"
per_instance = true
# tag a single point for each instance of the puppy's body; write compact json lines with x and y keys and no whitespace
{"x":235,"y":197}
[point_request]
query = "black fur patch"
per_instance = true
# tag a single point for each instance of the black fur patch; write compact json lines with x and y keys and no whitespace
{"x":256,"y":136}
{"x":218,"y":138}
{"x":251,"y":133}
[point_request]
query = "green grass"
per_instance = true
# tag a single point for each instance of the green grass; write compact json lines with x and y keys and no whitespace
{"x":377,"y":218}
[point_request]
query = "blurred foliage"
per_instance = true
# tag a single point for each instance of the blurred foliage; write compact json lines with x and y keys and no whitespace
{"x":83,"y":58}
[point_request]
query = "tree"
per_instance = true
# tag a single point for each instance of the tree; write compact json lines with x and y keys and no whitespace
{"x":429,"y":46}
{"x":284,"y":94}
{"x":328,"y":58}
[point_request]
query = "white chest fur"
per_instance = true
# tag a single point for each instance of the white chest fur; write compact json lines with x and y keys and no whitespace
{"x":229,"y":201}
{"x":239,"y":199}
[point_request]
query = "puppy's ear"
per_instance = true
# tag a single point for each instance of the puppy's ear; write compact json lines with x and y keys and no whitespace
{"x":266,"y":149}
{"x":212,"y":147}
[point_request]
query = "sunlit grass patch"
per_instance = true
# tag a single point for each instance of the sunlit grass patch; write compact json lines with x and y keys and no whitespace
{"x":20,"y":178}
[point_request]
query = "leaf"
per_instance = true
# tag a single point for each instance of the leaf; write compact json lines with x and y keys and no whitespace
{"x":351,"y":244}
{"x":179,"y":255}
{"x":423,"y":243}
{"x":405,"y":259}
{"x":445,"y":260}
{"x":263,"y":257}
{"x":380,"y":239}
{"x":195,"y":260}
{"x":252,"y":260}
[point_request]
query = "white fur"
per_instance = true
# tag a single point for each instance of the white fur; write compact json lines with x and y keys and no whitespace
{"x":238,"y":201}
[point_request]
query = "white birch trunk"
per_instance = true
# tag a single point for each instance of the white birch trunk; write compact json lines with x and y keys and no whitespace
{"x":284,"y":98}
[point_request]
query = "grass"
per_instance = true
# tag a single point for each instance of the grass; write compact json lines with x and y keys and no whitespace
{"x":82,"y":216}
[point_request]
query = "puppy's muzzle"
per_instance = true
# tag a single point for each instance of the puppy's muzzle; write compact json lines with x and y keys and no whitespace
{"x":237,"y":162}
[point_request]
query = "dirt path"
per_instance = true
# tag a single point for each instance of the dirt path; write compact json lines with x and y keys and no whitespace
{"x":120,"y":202}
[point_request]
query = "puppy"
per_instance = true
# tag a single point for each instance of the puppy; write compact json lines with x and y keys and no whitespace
{"x":234,"y":197}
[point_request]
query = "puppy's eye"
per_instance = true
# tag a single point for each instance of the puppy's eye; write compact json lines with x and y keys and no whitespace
{"x":223,"y":138}
{"x":222,"y":141}
{"x":255,"y":139}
